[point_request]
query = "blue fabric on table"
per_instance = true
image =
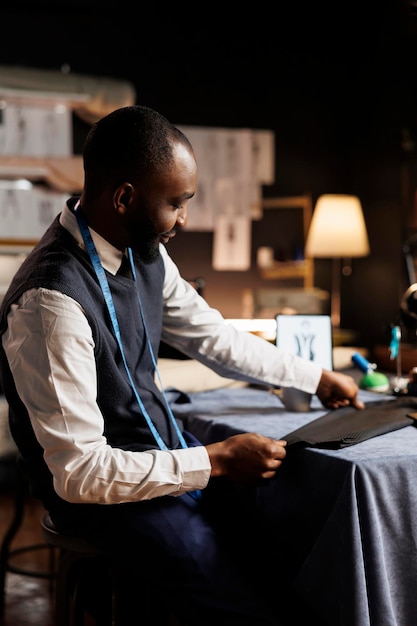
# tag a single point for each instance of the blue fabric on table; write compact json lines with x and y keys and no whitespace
{"x":341,"y":523}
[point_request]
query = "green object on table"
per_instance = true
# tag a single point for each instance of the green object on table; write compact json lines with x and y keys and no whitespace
{"x":374,"y":381}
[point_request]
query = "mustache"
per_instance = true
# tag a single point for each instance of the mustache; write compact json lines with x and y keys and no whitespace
{"x":167,"y":233}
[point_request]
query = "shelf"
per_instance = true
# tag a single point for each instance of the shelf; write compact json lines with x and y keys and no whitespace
{"x":59,"y":173}
{"x":286,"y":270}
{"x":32,"y":191}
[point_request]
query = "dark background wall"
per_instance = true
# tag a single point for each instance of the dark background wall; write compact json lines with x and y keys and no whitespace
{"x":338,"y":87}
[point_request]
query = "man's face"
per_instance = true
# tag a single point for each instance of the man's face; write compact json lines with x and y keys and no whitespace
{"x":160,"y":205}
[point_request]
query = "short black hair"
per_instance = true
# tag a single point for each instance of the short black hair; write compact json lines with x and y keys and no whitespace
{"x":127,"y":144}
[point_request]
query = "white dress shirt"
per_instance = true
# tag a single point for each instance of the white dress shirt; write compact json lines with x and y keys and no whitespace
{"x":50,"y":350}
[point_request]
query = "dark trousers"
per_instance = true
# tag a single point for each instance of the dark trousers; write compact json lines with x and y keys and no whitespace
{"x":200,"y":559}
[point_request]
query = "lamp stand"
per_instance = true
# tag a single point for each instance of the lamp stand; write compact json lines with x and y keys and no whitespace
{"x":335,"y":297}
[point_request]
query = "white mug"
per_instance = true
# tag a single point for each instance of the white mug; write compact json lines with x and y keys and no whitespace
{"x":296,"y":400}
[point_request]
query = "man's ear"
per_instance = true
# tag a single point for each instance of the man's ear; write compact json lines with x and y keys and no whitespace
{"x":122,"y":197}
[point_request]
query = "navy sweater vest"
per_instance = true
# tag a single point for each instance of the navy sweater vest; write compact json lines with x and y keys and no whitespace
{"x":57,"y":262}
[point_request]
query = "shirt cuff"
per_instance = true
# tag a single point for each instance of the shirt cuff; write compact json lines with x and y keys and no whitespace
{"x":307,"y":375}
{"x":195,"y":467}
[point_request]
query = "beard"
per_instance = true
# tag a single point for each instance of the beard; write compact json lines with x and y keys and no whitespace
{"x":148,"y":249}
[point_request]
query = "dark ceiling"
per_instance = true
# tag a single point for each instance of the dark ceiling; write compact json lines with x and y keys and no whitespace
{"x":201,"y":66}
{"x":185,"y":48}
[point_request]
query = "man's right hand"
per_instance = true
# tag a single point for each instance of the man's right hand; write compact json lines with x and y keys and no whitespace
{"x":247,"y":458}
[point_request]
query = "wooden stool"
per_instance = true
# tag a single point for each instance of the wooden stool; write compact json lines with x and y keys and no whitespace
{"x":73,"y":588}
{"x":71,"y":559}
{"x":74,"y":559}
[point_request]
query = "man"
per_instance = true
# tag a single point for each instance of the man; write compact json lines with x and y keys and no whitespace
{"x":77,"y":357}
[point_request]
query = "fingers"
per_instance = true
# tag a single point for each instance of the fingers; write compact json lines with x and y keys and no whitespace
{"x":336,"y":390}
{"x":247,"y":457}
{"x":280,"y":445}
{"x":358,"y":404}
{"x":335,"y":403}
{"x":275,"y":458}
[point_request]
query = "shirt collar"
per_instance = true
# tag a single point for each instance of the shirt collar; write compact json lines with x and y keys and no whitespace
{"x":110,"y":257}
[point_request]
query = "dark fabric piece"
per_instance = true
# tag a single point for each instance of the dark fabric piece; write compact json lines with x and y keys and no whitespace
{"x":346,"y":426}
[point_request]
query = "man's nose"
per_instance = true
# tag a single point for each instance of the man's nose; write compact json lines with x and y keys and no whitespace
{"x":182,"y":217}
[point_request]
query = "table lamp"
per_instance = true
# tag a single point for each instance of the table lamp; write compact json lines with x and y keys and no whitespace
{"x":337,"y":231}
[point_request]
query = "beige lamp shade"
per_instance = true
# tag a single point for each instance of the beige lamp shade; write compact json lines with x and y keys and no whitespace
{"x":337,"y":228}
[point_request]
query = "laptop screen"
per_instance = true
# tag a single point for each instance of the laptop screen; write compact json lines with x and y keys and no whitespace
{"x":306,"y":335}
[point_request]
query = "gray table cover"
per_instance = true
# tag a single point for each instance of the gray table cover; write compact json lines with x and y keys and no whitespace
{"x":344,"y":519}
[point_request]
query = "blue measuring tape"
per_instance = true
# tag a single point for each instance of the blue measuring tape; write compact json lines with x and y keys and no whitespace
{"x":101,"y":276}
